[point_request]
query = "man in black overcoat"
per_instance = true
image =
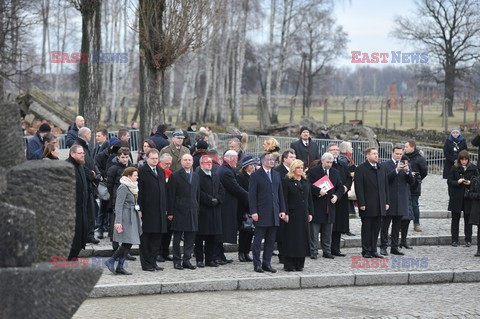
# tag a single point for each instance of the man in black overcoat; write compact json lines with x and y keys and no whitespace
{"x":267,"y":207}
{"x":371,"y":187}
{"x":76,"y":158}
{"x":305,"y":149}
{"x":233,"y":193}
{"x":342,"y":218}
{"x":152,"y":200}
{"x":399,"y":181}
{"x":287,"y":158}
{"x":183,"y":192}
{"x":212,"y":196}
{"x":324,"y":206}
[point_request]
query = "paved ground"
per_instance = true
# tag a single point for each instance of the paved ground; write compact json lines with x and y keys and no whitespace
{"x":434,"y":194}
{"x":418,"y":301}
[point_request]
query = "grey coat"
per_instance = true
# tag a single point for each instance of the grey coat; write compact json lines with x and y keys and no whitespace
{"x":126,"y":215}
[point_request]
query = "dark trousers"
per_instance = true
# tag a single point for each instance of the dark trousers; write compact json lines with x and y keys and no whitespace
{"x":91,"y":215}
{"x":404,"y":229}
{"x":201,"y":248}
{"x":244,"y":242}
{"x":267,"y":233}
{"x":296,"y":263}
{"x":73,"y":254}
{"x":456,"y":226}
{"x":103,"y":219}
{"x":188,"y":241}
{"x":122,"y":252}
{"x":370,"y":231}
{"x":336,"y":237}
{"x":416,"y":209}
{"x":165,"y":242}
{"x":219,"y":252}
{"x":149,"y":247}
{"x":396,"y":222}
{"x":326,"y":238}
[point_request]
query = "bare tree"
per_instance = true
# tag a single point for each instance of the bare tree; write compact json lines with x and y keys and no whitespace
{"x":449,"y":31}
{"x":270,"y":52}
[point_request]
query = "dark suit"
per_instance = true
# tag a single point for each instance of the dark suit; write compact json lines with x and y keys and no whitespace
{"x":152,"y":200}
{"x":324,"y":210}
{"x":342,"y":209}
{"x":371,"y":187}
{"x":282,"y":170}
{"x":183,"y":204}
{"x":399,"y":187}
{"x":307,"y":154}
{"x":265,"y":198}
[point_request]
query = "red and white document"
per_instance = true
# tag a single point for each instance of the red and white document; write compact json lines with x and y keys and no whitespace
{"x":324,"y":183}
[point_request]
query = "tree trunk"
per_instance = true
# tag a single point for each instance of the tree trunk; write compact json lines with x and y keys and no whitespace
{"x":90,"y":80}
{"x":185,"y":90}
{"x":171,"y":92}
{"x":240,"y":60}
{"x":450,"y":87}
{"x":45,"y":14}
{"x":268,"y":88}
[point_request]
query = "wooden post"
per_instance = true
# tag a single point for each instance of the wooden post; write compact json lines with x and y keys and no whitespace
{"x":356,"y":108}
{"x":293,"y":101}
{"x":325,"y":111}
{"x":381,"y":111}
{"x":422,"y":122}
{"x":387,"y":107}
{"x":363,"y":110}
{"x":416,"y":114}
{"x":343,"y":111}
{"x":476,"y":110}
{"x":465,"y":112}
{"x":401,"y":110}
{"x":445,"y":113}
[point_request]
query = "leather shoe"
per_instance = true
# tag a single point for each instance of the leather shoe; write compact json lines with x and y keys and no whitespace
{"x":396,"y":252}
{"x":313,"y":257}
{"x":131,"y":258}
{"x":187,"y":264}
{"x":288,"y":269}
{"x":405,"y":246}
{"x":350,"y":234}
{"x":228,"y":261}
{"x":148,"y":269}
{"x":110,"y":263}
{"x":455,"y":244}
{"x":160,"y":259}
{"x":329,"y":256}
{"x":157,"y":267}
{"x":376,"y":255}
{"x":93,"y":240}
{"x":168,"y":258}
{"x":339,"y":254}
{"x":220,"y":262}
{"x":200,"y":264}
{"x":383,"y":251}
{"x":269,"y":268}
{"x":248,"y":258}
{"x":258,"y":269}
{"x":477,"y":254}
{"x":241,"y":257}
{"x":178,"y":266}
{"x":299,"y":269}
{"x":366,"y":255}
{"x":211,"y":264}
{"x":122,"y":271}
{"x":468,"y":244}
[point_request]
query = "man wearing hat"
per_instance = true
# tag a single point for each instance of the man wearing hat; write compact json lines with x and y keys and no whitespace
{"x":324,"y":133}
{"x":176,"y":150}
{"x":305,"y":149}
{"x":36,"y":142}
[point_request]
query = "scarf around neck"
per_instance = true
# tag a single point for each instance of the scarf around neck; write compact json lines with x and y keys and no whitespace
{"x":132,"y":186}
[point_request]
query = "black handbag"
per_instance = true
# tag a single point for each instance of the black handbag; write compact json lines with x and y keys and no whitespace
{"x":247,"y":224}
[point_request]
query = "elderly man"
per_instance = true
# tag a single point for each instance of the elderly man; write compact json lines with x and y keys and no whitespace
{"x":72,"y":134}
{"x":76,"y":158}
{"x":267,"y":207}
{"x":164,"y":164}
{"x":371,"y":187}
{"x":235,"y":145}
{"x":176,"y":150}
{"x":324,"y":200}
{"x":183,"y":204}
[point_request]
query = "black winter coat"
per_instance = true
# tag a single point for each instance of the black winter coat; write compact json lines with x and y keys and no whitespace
{"x":398,"y":187}
{"x":72,"y":135}
{"x":371,"y":187}
{"x":418,"y":165}
{"x":282,"y":170}
{"x":324,"y":210}
{"x":81,"y":202}
{"x":152,"y":198}
{"x":183,"y":200}
{"x":113,"y":180}
{"x":474,"y":196}
{"x":476,"y":142}
{"x":307,"y":154}
{"x":210,"y":214}
{"x":342,"y":209}
{"x":450,"y":151}
{"x":456,"y":192}
{"x":243,"y":180}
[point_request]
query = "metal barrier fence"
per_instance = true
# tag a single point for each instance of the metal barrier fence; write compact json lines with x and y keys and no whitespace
{"x":434,"y":156}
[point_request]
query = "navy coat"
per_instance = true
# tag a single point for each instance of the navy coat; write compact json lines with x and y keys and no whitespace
{"x":398,"y":187}
{"x":324,"y":210}
{"x":160,"y":140}
{"x":72,"y":135}
{"x":371,"y":188}
{"x":266,"y":198}
{"x":34,"y":144}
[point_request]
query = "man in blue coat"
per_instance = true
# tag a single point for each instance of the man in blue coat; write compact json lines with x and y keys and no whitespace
{"x":267,"y":207}
{"x":36,"y":142}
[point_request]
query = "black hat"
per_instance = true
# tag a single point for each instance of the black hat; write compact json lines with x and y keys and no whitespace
{"x":247,"y":160}
{"x":193,"y":123}
{"x":44,"y":128}
{"x":405,"y":157}
{"x":202,"y":145}
{"x":304,"y":128}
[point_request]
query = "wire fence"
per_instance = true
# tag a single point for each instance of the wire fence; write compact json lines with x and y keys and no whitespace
{"x":434,"y":156}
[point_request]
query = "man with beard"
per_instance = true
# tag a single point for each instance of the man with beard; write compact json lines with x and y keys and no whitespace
{"x":371,"y":187}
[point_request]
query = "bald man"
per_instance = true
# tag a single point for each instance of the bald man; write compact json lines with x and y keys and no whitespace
{"x":72,"y":134}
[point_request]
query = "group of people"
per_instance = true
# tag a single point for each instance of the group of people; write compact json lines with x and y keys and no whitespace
{"x":174,"y":193}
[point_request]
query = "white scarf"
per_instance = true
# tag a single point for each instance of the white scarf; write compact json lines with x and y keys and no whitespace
{"x":133,"y":186}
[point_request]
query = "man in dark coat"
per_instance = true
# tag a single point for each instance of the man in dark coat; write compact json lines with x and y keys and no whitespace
{"x":183,"y":202}
{"x":101,"y":219}
{"x":233,"y":193}
{"x":76,"y":158}
{"x":342,"y":218}
{"x":72,"y":134}
{"x":212,"y":196}
{"x":371,"y":187}
{"x":152,"y":200}
{"x":159,"y":138}
{"x":49,"y":138}
{"x":36,"y":142}
{"x":164,"y":164}
{"x":287,"y":158}
{"x":305,"y":149}
{"x":101,"y":142}
{"x":324,"y":201}
{"x":476,"y":142}
{"x":419,"y":167}
{"x":399,"y":181}
{"x":267,"y":207}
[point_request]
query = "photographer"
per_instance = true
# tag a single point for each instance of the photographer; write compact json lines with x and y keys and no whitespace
{"x":459,"y":181}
